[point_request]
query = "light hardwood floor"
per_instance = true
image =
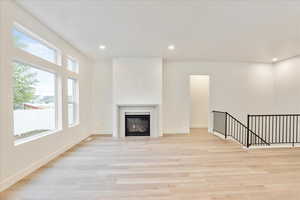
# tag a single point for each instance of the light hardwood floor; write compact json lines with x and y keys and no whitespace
{"x":199,"y":166}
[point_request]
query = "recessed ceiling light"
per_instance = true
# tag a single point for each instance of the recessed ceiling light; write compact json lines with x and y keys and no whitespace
{"x":102,"y":47}
{"x":171,"y":47}
{"x":274,"y":59}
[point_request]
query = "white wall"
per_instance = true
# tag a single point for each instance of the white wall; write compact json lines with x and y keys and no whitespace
{"x":102,"y":100}
{"x":238,"y":88}
{"x":135,"y":77}
{"x":199,"y":102}
{"x":137,"y":80}
{"x":287,"y":86}
{"x":2,"y":88}
{"x":18,"y":161}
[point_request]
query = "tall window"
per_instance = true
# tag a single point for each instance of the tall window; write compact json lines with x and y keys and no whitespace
{"x":72,"y":101}
{"x":32,"y":44}
{"x":72,"y":65}
{"x":34,"y":100}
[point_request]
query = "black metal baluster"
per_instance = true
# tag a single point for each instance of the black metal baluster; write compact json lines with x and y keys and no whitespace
{"x":290,"y":129}
{"x":269,"y":119}
{"x":234,"y":126}
{"x":241,"y":134}
{"x":297,"y":129}
{"x":233,"y":129}
{"x":258,"y":132}
{"x":254,"y":140}
{"x":237,"y":130}
{"x":230,"y":126}
{"x":286,"y":129}
{"x":275,"y":134}
{"x":249,"y":137}
{"x":282,"y":129}
{"x":254,"y":137}
{"x":263,"y":128}
{"x":271,"y":128}
{"x":279,"y":129}
{"x":293,"y":139}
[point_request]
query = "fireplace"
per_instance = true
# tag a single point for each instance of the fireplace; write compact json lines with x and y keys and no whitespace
{"x":137,"y":125}
{"x":149,"y":114}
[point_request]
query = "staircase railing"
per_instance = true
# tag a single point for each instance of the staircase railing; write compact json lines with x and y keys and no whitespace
{"x":275,"y":129}
{"x":227,"y":125}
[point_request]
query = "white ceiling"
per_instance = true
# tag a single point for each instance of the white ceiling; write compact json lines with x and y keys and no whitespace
{"x":237,"y":30}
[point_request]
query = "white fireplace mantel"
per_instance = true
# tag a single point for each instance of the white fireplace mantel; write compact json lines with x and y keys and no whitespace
{"x":122,"y":109}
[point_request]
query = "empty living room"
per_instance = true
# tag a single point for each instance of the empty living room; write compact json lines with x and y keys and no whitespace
{"x":149,"y":99}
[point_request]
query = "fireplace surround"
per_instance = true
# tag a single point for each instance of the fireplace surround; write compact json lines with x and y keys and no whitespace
{"x":122,"y":110}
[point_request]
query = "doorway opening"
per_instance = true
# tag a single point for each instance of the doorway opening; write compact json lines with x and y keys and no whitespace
{"x":199,"y":101}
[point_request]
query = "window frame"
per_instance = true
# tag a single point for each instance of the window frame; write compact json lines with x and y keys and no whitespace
{"x":56,"y":101}
{"x":26,"y":31}
{"x":22,"y":56}
{"x":59,"y":68}
{"x":75,"y":102}
{"x":76,"y":71}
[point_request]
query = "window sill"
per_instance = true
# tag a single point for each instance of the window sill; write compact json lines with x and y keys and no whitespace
{"x":74,"y":125}
{"x":35,"y":137}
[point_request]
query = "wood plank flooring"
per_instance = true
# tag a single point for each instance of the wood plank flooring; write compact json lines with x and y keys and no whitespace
{"x":199,"y":166}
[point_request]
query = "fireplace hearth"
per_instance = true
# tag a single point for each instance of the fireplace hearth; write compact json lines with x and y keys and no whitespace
{"x":137,"y":125}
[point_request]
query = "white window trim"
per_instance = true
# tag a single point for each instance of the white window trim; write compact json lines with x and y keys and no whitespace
{"x":75,"y":103}
{"x":58,"y":126}
{"x":58,"y":57}
{"x":76,"y":61}
{"x":62,"y":74}
{"x":35,"y":137}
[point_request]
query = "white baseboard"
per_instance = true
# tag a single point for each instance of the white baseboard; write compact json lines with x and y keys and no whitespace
{"x":170,"y":133}
{"x":275,"y":146}
{"x":199,"y":126}
{"x":219,"y":135}
{"x":33,"y":167}
{"x":102,"y":132}
{"x":176,"y":131}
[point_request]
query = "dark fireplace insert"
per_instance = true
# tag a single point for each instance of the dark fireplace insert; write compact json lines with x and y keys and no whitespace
{"x":137,"y":125}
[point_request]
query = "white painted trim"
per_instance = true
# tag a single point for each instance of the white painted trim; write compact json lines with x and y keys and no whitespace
{"x":177,"y":133}
{"x":41,"y":40}
{"x":275,"y":146}
{"x":228,"y":138}
{"x":257,"y":146}
{"x":150,"y":112}
{"x":218,"y":135}
{"x":152,"y":109}
{"x":198,"y":126}
{"x":8,"y":182}
{"x":35,"y":137}
{"x":102,"y":132}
